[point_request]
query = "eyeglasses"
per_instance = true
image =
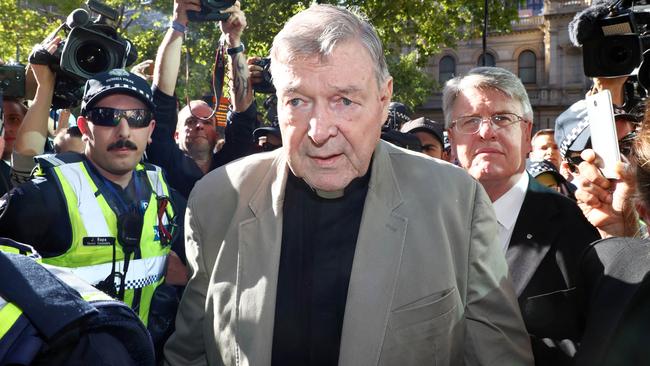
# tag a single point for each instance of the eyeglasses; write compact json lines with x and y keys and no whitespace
{"x":472,"y":124}
{"x":111,"y":117}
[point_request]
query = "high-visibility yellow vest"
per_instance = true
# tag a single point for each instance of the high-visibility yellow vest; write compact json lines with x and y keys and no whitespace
{"x":93,"y":220}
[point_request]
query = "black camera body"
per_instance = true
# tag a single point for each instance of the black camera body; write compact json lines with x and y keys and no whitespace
{"x":211,"y":11}
{"x":615,"y":38}
{"x":12,"y":81}
{"x":90,"y":47}
{"x":266,"y":85}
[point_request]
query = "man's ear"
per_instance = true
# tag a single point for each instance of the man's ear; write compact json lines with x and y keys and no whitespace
{"x":82,"y":123}
{"x":386,"y":95}
{"x":151,"y":127}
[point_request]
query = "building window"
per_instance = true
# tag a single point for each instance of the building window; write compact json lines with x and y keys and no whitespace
{"x":446,"y":69}
{"x":489,"y":60}
{"x":527,"y":67}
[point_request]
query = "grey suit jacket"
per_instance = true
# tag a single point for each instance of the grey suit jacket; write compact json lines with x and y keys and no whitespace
{"x":428,"y":284}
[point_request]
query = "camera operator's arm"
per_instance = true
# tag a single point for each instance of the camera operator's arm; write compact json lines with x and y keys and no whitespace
{"x":614,"y":85}
{"x":241,"y":90}
{"x":607,"y":204}
{"x":32,"y":134}
{"x":168,"y":58}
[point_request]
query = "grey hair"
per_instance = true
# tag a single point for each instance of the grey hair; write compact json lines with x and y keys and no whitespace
{"x":486,"y":78}
{"x":316,"y":32}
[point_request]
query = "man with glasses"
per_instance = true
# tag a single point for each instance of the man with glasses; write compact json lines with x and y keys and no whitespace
{"x":489,"y":121}
{"x":102,"y":214}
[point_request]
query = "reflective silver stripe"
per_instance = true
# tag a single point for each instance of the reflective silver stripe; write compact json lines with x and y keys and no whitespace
{"x":2,"y":303}
{"x":50,"y":158}
{"x":89,"y":210}
{"x":156,"y":182}
{"x":141,"y":273}
{"x":84,"y":288}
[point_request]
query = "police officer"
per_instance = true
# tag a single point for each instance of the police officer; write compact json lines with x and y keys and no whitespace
{"x":103,"y":214}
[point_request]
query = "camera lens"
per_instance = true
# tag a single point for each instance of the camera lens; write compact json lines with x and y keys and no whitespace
{"x":92,"y":58}
{"x":618,"y":54}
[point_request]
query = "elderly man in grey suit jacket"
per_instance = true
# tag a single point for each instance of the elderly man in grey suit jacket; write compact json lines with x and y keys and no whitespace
{"x":338,"y":248}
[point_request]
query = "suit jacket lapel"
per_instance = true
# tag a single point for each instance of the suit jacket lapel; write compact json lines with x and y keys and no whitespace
{"x":529,"y":242}
{"x":257,"y":271}
{"x":376,"y":264}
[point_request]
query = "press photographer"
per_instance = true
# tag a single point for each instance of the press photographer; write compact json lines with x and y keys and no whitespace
{"x":601,"y":29}
{"x":183,"y":142}
{"x":91,"y":46}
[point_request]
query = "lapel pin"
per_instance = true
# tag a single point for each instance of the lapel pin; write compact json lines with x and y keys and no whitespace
{"x":529,"y":236}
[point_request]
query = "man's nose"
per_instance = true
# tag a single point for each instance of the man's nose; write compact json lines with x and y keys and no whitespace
{"x":321,"y":126}
{"x":123,"y":129}
{"x":486,"y":129}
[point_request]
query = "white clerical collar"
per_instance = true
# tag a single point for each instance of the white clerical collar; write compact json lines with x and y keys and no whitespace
{"x":507,"y":207}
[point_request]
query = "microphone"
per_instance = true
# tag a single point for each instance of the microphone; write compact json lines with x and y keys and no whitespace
{"x":78,"y":18}
{"x":584,"y":25}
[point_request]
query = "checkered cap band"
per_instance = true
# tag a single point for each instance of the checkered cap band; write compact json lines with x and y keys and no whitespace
{"x":572,"y":136}
{"x":143,"y":282}
{"x":147,"y":96}
{"x":539,"y":167}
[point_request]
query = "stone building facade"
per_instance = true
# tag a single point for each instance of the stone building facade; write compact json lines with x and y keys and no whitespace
{"x":538,"y":50}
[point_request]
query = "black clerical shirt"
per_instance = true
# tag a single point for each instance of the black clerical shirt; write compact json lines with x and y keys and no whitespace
{"x":319,"y":237}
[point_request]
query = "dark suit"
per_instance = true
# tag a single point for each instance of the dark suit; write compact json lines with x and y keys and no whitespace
{"x":617,"y":285}
{"x":543,"y":254}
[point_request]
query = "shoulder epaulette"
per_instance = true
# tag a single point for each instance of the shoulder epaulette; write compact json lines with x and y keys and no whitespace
{"x":151,"y":167}
{"x":52,"y":160}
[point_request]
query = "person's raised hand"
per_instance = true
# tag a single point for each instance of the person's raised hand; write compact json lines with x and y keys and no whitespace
{"x":233,"y":27}
{"x":607,"y":204}
{"x":181,"y":7}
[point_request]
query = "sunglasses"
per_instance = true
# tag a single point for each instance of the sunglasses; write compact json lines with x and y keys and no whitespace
{"x":111,"y":117}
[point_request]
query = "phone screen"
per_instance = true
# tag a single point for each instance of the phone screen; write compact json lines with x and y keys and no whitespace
{"x":603,"y":132}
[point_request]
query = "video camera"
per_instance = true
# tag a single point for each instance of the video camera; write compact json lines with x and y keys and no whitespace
{"x":615,"y":39}
{"x":91,"y":47}
{"x":12,"y":81}
{"x":211,"y":11}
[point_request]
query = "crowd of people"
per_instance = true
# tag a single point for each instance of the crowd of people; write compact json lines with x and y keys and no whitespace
{"x":314,"y":239}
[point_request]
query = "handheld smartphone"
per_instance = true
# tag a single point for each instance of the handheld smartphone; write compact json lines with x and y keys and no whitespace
{"x":604,"y":141}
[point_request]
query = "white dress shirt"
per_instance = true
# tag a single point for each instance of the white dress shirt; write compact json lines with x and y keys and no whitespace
{"x":507,"y":209}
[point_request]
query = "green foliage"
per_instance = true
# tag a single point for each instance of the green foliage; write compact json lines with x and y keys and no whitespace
{"x":411,"y":86}
{"x":420,"y":25}
{"x":21,"y":28}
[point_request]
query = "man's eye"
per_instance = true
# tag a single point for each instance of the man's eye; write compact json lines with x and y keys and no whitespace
{"x":501,"y":119}
{"x":295,"y":102}
{"x":346,"y":101}
{"x":470,"y":122}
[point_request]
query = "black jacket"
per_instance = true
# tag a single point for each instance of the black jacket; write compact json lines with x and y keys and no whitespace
{"x":617,"y":286}
{"x":543,"y":256}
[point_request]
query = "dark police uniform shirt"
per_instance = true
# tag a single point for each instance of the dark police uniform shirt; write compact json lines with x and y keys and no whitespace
{"x":318,"y":241}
